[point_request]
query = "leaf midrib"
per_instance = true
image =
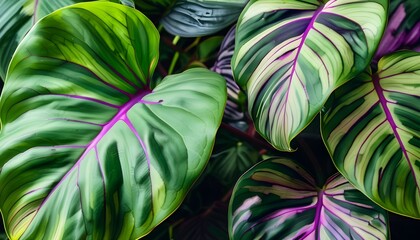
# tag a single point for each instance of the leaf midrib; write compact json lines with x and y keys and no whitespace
{"x":389,"y":118}
{"x":120,"y":116}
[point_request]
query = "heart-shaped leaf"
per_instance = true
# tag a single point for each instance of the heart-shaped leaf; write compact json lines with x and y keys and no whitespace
{"x":371,"y":128}
{"x":403,"y":29}
{"x":194,"y":18}
{"x":290,"y":55}
{"x":87,"y":149}
{"x":279,"y":199}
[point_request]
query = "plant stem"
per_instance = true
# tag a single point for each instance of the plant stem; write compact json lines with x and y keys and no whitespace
{"x":173,"y":63}
{"x":250,"y":139}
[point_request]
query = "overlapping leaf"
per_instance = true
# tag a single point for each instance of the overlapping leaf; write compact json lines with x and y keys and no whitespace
{"x":403,"y":29}
{"x":194,"y":18}
{"x":279,"y":199}
{"x":231,"y":158}
{"x":87,"y":149}
{"x":154,"y":7}
{"x":371,"y":126}
{"x":233,"y":112}
{"x":16,"y":19}
{"x":290,"y":55}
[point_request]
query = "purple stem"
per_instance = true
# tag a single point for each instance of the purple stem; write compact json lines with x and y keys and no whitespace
{"x":35,"y":10}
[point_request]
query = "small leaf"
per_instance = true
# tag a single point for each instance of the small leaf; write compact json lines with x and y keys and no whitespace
{"x":279,"y":199}
{"x":195,"y":18}
{"x":231,"y":157}
{"x":88,"y":150}
{"x":371,"y":128}
{"x":290,"y":55}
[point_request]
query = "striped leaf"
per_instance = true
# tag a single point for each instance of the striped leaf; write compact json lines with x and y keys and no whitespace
{"x":403,"y":30}
{"x":194,"y":18}
{"x":16,"y":19}
{"x":371,"y":126}
{"x":233,"y":111}
{"x":290,"y":55}
{"x":88,"y":150}
{"x":279,"y":199}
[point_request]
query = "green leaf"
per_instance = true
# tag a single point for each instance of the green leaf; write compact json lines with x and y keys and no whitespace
{"x":279,"y":199}
{"x":208,"y":48}
{"x":231,"y":157}
{"x":87,"y":149}
{"x":371,"y":128}
{"x":195,"y":18}
{"x":154,"y":7}
{"x":16,"y":19}
{"x":290,"y":55}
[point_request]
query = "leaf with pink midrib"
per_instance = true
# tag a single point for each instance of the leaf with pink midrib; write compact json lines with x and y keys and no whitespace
{"x":370,"y":125}
{"x":335,"y":211}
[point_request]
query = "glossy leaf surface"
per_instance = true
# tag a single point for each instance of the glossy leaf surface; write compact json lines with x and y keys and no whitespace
{"x":371,"y":128}
{"x":87,"y":149}
{"x":194,"y":18}
{"x":16,"y":19}
{"x":290,"y":55}
{"x":279,"y":199}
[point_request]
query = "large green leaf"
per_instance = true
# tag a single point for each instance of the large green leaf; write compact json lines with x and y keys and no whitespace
{"x":279,"y":199}
{"x":371,"y":126}
{"x":194,"y":18}
{"x":290,"y":55}
{"x":87,"y":149}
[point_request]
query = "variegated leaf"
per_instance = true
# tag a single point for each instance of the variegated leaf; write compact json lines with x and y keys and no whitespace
{"x":194,"y":18}
{"x":403,"y":29}
{"x":279,"y":199}
{"x":16,"y":19}
{"x":371,"y":127}
{"x":290,"y":55}
{"x":223,"y":67}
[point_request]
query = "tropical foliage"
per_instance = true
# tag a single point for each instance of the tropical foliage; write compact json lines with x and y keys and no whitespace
{"x":209,"y":119}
